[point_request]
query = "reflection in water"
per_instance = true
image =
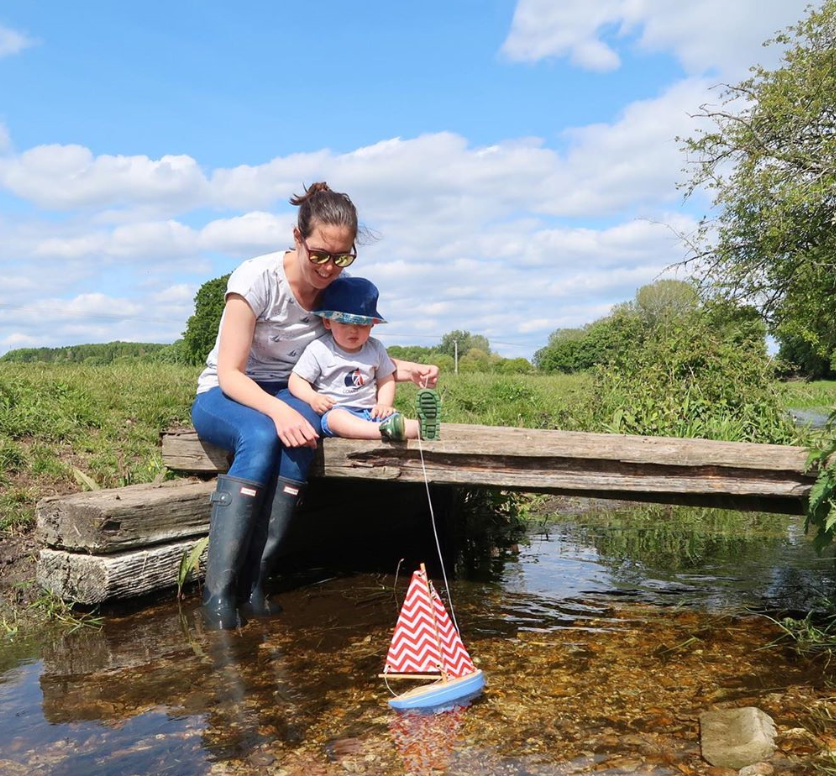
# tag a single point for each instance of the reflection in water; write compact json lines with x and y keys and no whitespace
{"x":426,"y":742}
{"x":589,"y":666}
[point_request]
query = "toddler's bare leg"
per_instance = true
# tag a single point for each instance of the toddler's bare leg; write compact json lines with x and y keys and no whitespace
{"x":349,"y":426}
{"x":413,"y":429}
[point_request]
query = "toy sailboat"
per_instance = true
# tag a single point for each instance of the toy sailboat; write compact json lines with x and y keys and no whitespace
{"x":426,"y":645}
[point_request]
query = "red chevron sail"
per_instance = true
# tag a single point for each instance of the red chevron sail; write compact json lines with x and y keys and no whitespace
{"x":425,"y":639}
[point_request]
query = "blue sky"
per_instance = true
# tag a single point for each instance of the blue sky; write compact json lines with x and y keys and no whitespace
{"x":516,"y":159}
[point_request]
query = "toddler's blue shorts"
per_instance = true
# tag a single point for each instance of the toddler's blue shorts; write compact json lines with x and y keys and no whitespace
{"x":358,"y":412}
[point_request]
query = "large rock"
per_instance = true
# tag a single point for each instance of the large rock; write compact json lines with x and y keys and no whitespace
{"x":735,"y":738}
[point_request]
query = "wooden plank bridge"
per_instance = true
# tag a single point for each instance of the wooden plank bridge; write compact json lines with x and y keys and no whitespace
{"x":129,"y":541}
{"x":732,"y":475}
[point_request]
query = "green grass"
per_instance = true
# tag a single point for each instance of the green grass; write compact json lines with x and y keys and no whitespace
{"x":530,"y":401}
{"x":817,"y":395}
{"x":104,"y":421}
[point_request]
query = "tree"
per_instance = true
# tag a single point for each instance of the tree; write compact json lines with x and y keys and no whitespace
{"x":769,"y":160}
{"x":202,"y":327}
{"x":796,"y":356}
{"x":465,"y":342}
{"x":599,"y":342}
{"x":664,"y":300}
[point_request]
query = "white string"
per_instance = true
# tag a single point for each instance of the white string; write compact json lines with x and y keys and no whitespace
{"x":435,"y":531}
{"x":437,"y":546}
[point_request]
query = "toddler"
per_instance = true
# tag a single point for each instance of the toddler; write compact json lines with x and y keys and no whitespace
{"x":347,"y":376}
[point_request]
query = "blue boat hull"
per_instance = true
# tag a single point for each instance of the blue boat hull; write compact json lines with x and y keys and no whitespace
{"x":450,"y":693}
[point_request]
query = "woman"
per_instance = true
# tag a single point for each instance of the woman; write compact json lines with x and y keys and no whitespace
{"x":243,"y":404}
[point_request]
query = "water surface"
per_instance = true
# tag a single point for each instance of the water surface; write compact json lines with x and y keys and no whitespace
{"x":603,"y":637}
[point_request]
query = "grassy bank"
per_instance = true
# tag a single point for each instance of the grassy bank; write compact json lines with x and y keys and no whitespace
{"x":817,"y":395}
{"x":69,"y":427}
{"x":60,"y":424}
{"x":63,"y":424}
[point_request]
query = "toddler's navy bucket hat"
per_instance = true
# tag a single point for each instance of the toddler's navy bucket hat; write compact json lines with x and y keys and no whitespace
{"x":351,"y":300}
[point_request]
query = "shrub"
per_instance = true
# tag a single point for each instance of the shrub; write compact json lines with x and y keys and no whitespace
{"x":693,"y":377}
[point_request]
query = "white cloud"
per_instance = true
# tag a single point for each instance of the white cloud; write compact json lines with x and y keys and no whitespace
{"x":18,"y":340}
{"x":94,"y":317}
{"x":543,"y":29}
{"x":450,"y":257}
{"x":436,"y":178}
{"x":249,"y":234}
{"x":709,"y":35}
{"x":179,"y":294}
{"x":13,"y":42}
{"x":564,"y":277}
{"x":511,"y":239}
{"x":153,"y":242}
{"x":63,"y":177}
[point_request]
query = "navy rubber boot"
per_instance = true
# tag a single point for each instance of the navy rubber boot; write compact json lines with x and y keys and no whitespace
{"x":265,"y":544}
{"x":235,"y":506}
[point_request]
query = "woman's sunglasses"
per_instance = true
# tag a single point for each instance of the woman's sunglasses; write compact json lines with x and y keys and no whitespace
{"x":318,"y":256}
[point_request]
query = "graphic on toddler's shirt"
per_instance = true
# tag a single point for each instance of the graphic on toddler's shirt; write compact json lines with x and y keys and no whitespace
{"x":355,"y":379}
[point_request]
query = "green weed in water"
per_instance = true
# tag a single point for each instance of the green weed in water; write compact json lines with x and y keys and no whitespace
{"x":54,"y":609}
{"x":190,"y":563}
{"x":801,"y":395}
{"x":821,"y":508}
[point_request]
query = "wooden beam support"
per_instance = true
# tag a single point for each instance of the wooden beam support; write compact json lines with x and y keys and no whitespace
{"x":92,"y":579}
{"x":120,"y":519}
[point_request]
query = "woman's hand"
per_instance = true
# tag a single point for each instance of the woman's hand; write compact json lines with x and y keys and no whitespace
{"x":423,"y":375}
{"x":292,"y":428}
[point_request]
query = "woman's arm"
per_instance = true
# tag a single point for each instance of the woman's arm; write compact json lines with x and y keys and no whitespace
{"x":423,"y":375}
{"x":235,"y":342}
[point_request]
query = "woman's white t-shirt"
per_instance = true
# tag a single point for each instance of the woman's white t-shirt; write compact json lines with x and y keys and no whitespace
{"x":283,"y":328}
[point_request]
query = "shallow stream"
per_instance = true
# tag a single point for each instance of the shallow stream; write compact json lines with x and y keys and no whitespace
{"x":603,"y":636}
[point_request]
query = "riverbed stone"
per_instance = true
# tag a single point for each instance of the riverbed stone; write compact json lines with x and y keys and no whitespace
{"x":735,"y":738}
{"x":758,"y":769}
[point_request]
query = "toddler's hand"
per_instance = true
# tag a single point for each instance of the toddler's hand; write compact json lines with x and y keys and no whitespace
{"x":382,"y":411}
{"x":322,"y":404}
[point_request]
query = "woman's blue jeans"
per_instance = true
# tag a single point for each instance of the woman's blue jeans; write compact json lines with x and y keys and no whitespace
{"x":251,"y":435}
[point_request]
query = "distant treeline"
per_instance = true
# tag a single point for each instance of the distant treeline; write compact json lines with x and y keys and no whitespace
{"x":98,"y":354}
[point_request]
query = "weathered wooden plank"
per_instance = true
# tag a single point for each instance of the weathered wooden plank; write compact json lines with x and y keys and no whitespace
{"x":560,"y":473}
{"x":687,"y":471}
{"x":120,"y":519}
{"x":188,"y":453}
{"x":93,"y":579}
{"x":181,"y":449}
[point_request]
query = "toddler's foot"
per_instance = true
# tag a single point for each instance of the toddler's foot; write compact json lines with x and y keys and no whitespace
{"x":393,"y":429}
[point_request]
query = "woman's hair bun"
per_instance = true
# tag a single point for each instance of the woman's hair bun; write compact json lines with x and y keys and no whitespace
{"x":310,"y":191}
